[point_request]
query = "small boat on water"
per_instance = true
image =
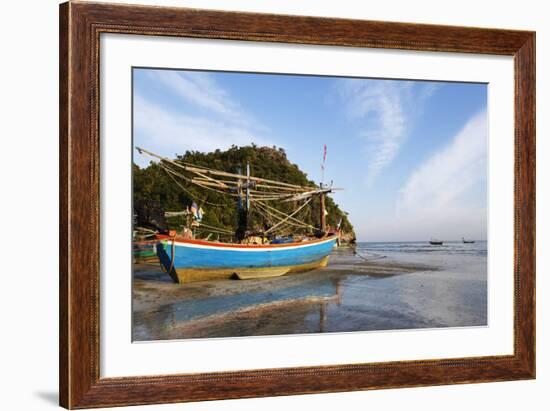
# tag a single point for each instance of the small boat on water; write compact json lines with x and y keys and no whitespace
{"x":144,"y":249}
{"x":270,"y":252}
{"x":467,"y":241}
{"x":436,"y":242}
{"x":144,"y":245}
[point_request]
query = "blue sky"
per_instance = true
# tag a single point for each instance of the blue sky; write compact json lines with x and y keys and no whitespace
{"x":411,"y":155}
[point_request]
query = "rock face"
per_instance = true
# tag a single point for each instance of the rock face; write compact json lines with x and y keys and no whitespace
{"x":347,"y":238}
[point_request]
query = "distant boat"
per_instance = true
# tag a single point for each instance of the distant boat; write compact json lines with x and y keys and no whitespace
{"x":436,"y":242}
{"x":468,"y":241}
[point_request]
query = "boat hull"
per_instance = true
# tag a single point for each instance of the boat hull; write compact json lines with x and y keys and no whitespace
{"x":191,"y":260}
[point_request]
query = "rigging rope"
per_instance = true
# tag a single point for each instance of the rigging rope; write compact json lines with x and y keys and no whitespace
{"x":209,"y":183}
{"x":285,"y":215}
{"x":297,"y":226}
{"x":378,"y":256}
{"x":272,"y":218}
{"x":279,"y":192}
{"x":221,"y":230}
{"x":203,"y":201}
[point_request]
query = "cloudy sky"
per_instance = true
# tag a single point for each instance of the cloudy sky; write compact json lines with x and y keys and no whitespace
{"x":411,"y":155}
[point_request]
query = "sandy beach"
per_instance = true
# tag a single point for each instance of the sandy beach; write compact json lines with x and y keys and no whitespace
{"x":355,"y":292}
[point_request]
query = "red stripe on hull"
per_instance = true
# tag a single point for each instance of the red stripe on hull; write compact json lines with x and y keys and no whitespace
{"x":245,"y":246}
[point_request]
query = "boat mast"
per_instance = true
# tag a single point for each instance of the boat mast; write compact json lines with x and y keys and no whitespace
{"x":247,"y":190}
{"x":244,"y":204}
{"x":322,"y":219}
{"x":241,"y":213}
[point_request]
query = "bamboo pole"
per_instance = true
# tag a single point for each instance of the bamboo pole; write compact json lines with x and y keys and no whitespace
{"x":323,"y":220}
{"x":268,"y":207}
{"x":288,"y":217}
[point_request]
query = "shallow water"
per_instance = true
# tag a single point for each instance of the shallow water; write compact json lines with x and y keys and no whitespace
{"x":384,"y":286}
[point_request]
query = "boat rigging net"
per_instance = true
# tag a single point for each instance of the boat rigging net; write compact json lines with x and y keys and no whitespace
{"x":260,"y":195}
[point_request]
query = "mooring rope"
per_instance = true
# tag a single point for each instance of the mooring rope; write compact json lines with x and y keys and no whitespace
{"x":202,"y":201}
{"x":163,"y":269}
{"x":378,"y":256}
{"x":173,"y":255}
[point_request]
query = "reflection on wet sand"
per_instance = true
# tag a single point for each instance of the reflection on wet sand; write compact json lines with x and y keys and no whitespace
{"x":351,"y":294}
{"x":216,"y":309}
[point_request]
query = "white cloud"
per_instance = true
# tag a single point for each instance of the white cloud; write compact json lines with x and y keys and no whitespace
{"x":201,"y":90}
{"x":388,"y":109}
{"x":169,"y":130}
{"x":445,"y":197}
{"x":441,"y":181}
{"x":179,"y":132}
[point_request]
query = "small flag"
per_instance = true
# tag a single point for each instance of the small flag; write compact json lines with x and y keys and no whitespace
{"x":323,"y":163}
{"x":196,"y":211}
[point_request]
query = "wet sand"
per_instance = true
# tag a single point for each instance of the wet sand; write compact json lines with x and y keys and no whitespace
{"x":350,"y":294}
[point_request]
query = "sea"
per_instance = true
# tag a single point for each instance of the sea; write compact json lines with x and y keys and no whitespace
{"x":453,"y":294}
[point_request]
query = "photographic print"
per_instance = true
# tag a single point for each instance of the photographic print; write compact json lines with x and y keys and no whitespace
{"x":273,"y":204}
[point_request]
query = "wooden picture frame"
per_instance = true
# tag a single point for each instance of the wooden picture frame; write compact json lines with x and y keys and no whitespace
{"x":80,"y":27}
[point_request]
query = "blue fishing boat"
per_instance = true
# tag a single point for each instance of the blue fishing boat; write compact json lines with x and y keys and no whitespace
{"x":196,"y":260}
{"x":284,"y":244}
